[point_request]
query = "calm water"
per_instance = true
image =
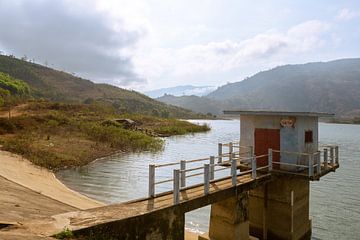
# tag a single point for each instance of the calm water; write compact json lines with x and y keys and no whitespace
{"x":335,"y":200}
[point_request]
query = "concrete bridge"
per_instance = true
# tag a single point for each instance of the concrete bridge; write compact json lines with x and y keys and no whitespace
{"x":246,"y":199}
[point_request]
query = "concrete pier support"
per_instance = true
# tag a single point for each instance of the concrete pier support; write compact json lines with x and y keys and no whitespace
{"x":280,"y":209}
{"x":166,"y":224}
{"x":229,"y":218}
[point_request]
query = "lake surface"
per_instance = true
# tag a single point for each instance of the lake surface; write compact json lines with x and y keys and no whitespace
{"x":334,"y":200}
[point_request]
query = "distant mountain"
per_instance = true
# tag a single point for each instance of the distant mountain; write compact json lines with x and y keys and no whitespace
{"x":60,"y":86}
{"x":186,"y":90}
{"x":195,"y":103}
{"x":321,"y":86}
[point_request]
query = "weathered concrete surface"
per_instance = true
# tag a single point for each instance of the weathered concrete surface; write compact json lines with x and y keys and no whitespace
{"x":19,"y":205}
{"x":166,"y":224}
{"x":29,"y":198}
{"x":23,"y":172}
{"x":273,"y":214}
{"x":229,"y":218}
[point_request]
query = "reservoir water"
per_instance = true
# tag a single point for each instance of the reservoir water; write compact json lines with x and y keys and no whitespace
{"x":334,"y":200}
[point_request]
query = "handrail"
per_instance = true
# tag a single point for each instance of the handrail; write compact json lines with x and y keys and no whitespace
{"x":314,"y":163}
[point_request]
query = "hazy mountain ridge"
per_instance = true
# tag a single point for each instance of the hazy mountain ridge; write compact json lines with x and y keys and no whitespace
{"x":60,"y":86}
{"x":321,"y":86}
{"x":184,"y":90}
{"x":195,"y":103}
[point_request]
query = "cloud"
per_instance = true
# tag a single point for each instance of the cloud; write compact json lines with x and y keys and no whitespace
{"x":347,"y":14}
{"x":222,"y":56}
{"x":72,"y":36}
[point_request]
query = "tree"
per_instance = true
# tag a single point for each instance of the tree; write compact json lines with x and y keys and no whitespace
{"x":6,"y":100}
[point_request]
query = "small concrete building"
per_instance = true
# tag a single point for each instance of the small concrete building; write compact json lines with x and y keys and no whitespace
{"x":280,"y":208}
{"x":288,"y":132}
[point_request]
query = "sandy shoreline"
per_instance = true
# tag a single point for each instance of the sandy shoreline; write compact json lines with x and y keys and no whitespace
{"x":21,"y":171}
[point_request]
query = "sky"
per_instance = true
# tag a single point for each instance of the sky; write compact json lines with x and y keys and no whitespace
{"x":150,"y":44}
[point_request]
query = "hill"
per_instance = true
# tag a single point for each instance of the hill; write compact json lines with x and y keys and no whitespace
{"x":321,"y":86}
{"x":195,"y":103}
{"x":186,"y":90}
{"x":60,"y":86}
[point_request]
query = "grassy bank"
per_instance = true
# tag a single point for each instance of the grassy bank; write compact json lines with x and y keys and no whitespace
{"x":55,"y":135}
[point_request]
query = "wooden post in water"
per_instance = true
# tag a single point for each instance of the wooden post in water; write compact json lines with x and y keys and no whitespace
{"x":325,"y":158}
{"x":212,"y":167}
{"x":233,"y":172}
{"x":182,"y":173}
{"x":176,"y":193}
{"x":220,"y":147}
{"x":332,"y":156}
{"x":270,"y":159}
{"x":311,"y":165}
{"x":253,"y":167}
{"x":151,"y":180}
{"x":206,"y":178}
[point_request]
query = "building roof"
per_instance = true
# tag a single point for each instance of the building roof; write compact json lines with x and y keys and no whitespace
{"x":277,"y":113}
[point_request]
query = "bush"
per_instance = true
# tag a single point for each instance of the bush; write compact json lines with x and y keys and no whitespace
{"x":14,"y":86}
{"x":121,"y":138}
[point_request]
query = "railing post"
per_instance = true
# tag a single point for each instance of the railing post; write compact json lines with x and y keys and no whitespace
{"x":325,"y":158}
{"x":270,"y":159}
{"x":206,"y":178}
{"x":318,"y":162}
{"x":332,"y":156}
{"x":253,"y":167}
{"x":311,"y":165}
{"x":152,"y":180}
{"x":220,"y":148}
{"x":182,"y":173}
{"x":251,"y":151}
{"x":337,"y":154}
{"x":231,"y":157}
{"x":176,"y":193}
{"x":231,"y":149}
{"x":212,"y":167}
{"x":233,"y":172}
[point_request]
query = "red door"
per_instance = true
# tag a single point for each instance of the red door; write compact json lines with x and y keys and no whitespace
{"x":265,"y":139}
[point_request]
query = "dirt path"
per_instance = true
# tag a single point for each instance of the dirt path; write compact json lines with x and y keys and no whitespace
{"x":16,"y":111}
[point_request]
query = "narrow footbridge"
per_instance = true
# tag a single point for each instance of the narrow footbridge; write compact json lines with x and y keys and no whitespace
{"x":233,"y":171}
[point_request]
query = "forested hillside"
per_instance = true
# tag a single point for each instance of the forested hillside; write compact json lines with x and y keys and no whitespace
{"x":60,"y":86}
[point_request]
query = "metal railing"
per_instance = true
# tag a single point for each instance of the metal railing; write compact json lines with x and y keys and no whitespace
{"x":315,"y":163}
{"x":235,"y":161}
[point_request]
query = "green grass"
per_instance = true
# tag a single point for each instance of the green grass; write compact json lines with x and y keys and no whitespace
{"x":65,"y":234}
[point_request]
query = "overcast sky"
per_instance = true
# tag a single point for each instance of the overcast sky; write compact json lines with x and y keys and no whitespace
{"x":149,"y":44}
